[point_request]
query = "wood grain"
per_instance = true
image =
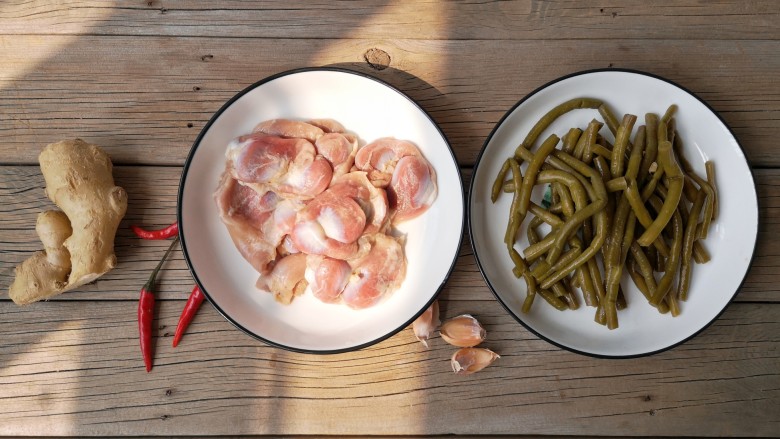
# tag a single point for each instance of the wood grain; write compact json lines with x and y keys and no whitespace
{"x":70,"y":368}
{"x":152,"y":202}
{"x":142,"y":78}
{"x":527,"y":19}
{"x":145,"y":99}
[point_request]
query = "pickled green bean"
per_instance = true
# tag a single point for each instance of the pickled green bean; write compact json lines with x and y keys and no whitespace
{"x":621,"y":145}
{"x":598,"y":194}
{"x":499,"y":182}
{"x":700,"y":254}
{"x":533,"y":236}
{"x":687,"y":249}
{"x":635,"y":158}
{"x":663,"y":135}
{"x":590,"y":139}
{"x":646,"y":270}
{"x":531,"y":291}
{"x":621,"y":302}
{"x":561,"y":290}
{"x":628,"y":237}
{"x":606,"y":143}
{"x":553,"y":114}
{"x":639,"y":281}
{"x":669,"y":113}
{"x":638,"y":206}
{"x":569,"y":227}
{"x":566,"y":258}
{"x":570,"y":139}
{"x":552,"y":300}
{"x":606,"y":175}
{"x":534,"y":166}
{"x":673,"y":262}
{"x":651,"y":146}
{"x":597,"y":202}
{"x":539,"y":269}
{"x":564,"y":197}
{"x":545,"y":215}
{"x":672,"y":169}
{"x":643,"y":215}
{"x":612,"y":267}
{"x":601,"y":150}
{"x":535,"y":251}
{"x":609,"y":119}
{"x":521,"y":266}
{"x":709,"y":206}
{"x":709,"y":166}
{"x":671,"y":299}
{"x":578,"y":195}
{"x":575,"y":280}
{"x":649,"y":188}
{"x":515,"y":217}
{"x":617,"y":184}
{"x":589,"y":292}
{"x":579,"y":148}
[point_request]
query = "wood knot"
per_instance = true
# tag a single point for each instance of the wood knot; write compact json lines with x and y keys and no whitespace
{"x":208,"y":57}
{"x":164,"y":417}
{"x":169,"y":392}
{"x":648,"y":398}
{"x":196,"y":88}
{"x":652,"y":412}
{"x":189,"y":125}
{"x":163,"y":11}
{"x":377,"y":59}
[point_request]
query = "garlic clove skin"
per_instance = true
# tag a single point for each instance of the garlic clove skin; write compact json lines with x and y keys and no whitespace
{"x":426,"y":324}
{"x":466,"y":361}
{"x":463,"y":331}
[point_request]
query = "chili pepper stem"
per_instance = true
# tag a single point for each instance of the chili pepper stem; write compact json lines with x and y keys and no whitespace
{"x":149,"y":285}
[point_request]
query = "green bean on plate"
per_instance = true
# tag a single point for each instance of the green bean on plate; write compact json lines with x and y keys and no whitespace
{"x":632,"y":210}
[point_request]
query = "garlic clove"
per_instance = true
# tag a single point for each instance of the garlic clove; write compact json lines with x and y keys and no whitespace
{"x":466,"y":361}
{"x":427,"y":323}
{"x":463,"y":331}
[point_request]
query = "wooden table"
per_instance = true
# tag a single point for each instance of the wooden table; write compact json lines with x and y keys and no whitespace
{"x":141,"y":78}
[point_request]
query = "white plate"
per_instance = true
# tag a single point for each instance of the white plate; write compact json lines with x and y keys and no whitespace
{"x":731,"y":240}
{"x":371,"y":109}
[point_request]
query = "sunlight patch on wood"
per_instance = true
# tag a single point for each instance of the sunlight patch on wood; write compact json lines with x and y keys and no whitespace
{"x":378,"y":55}
{"x":56,"y":360}
{"x":18,"y":64}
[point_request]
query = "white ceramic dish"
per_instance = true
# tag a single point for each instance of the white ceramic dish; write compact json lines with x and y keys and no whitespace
{"x":370,"y":109}
{"x":731,"y":240}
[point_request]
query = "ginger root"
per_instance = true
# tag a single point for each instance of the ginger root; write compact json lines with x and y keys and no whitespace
{"x":79,"y":241}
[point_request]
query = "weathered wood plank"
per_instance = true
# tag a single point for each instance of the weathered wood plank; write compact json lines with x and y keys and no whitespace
{"x":525,"y":19}
{"x":75,"y":369}
{"x":145,"y":99}
{"x":152,"y":202}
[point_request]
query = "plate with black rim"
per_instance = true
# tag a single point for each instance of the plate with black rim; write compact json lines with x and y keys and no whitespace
{"x":370,"y":109}
{"x":732,"y":237}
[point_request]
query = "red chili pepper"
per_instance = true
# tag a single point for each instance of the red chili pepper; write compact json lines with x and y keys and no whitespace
{"x":165,"y":233}
{"x":146,"y":311}
{"x":192,"y":306}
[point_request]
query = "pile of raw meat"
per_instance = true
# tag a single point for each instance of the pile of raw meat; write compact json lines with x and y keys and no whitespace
{"x":307,"y":207}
